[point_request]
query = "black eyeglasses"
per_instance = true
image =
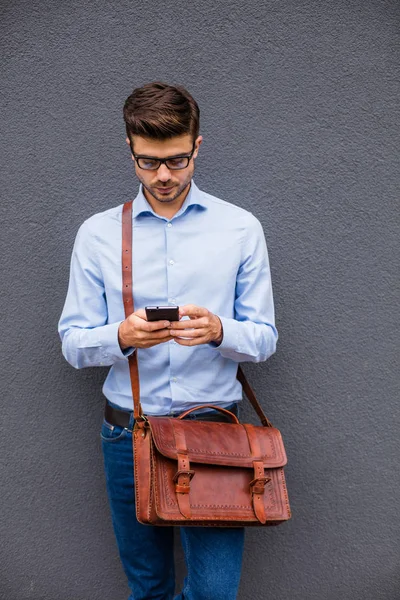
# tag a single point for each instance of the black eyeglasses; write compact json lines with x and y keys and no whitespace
{"x":174,"y":163}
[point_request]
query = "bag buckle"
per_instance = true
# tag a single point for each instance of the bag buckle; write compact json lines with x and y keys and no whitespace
{"x":182,"y":480}
{"x":257,"y":485}
{"x":190,"y":474}
{"x":141,"y":418}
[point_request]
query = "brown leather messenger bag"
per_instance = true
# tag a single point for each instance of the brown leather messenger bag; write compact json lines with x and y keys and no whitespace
{"x":204,"y":473}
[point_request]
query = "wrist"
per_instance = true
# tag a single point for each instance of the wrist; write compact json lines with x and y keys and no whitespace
{"x":220,"y":332}
{"x":123,"y":344}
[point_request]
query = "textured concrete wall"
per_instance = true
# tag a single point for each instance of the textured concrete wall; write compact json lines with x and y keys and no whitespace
{"x":299,"y":116}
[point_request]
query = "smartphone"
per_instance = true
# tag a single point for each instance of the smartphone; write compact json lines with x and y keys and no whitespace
{"x":160,"y":313}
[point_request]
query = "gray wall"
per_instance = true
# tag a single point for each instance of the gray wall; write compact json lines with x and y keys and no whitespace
{"x":299,"y":115}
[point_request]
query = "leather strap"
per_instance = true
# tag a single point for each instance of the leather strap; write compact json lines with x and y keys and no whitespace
{"x":252,"y":398}
{"x":257,"y":485}
{"x":184,"y":474}
{"x":127,"y":296}
{"x":143,"y":484}
{"x":233,"y":417}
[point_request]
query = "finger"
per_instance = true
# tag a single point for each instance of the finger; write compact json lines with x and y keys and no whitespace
{"x":161,"y":340}
{"x":154,"y":342}
{"x":191,"y":310}
{"x":162,"y":333}
{"x":141,"y":313}
{"x":149,"y":336}
{"x":192,"y":324}
{"x":189,"y":333}
{"x":151,"y":325}
{"x":193,"y":342}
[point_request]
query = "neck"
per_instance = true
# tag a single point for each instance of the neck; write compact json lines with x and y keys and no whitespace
{"x":166,"y":209}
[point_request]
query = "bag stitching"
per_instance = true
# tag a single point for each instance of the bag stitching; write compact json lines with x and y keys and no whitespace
{"x":166,"y":444}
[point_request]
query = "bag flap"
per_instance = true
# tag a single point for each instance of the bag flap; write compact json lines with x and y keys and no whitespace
{"x":212,"y":442}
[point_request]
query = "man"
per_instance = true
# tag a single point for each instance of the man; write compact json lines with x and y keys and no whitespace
{"x":208,"y":257}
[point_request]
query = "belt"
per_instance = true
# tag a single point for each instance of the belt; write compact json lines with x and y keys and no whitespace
{"x":114,"y":416}
{"x":122,"y":418}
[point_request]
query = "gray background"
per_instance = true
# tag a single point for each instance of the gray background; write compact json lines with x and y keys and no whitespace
{"x":299,"y":118}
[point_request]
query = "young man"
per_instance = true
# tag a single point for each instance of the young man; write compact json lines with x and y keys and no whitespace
{"x":208,"y":257}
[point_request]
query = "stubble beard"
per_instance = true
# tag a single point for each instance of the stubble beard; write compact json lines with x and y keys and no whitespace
{"x":178,"y":191}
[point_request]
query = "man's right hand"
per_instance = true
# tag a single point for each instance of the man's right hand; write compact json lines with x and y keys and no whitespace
{"x":137,"y":332}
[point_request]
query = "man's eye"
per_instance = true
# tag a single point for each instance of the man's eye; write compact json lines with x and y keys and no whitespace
{"x":148,"y":163}
{"x":178,"y":162}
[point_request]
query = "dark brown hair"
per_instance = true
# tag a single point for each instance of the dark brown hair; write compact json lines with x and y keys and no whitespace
{"x":161,"y":111}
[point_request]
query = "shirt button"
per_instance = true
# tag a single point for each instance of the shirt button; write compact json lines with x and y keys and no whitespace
{"x":169,"y":224}
{"x":171,"y":300}
{"x":171,"y":262}
{"x":174,"y":379}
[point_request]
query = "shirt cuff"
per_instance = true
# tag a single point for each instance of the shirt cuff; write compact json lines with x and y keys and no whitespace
{"x":229,"y":335}
{"x":110,"y":344}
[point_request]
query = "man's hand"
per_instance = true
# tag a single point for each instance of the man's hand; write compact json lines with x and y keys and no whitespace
{"x":202,"y":326}
{"x":137,"y":332}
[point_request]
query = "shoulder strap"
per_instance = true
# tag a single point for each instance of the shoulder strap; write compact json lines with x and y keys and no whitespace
{"x":127,"y":296}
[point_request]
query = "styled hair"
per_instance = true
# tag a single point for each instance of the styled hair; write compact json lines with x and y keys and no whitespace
{"x":161,"y":111}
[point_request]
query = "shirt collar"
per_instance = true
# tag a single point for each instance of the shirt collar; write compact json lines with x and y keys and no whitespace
{"x":195,"y":197}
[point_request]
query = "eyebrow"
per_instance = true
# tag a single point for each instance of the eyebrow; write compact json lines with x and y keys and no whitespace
{"x":159,"y":158}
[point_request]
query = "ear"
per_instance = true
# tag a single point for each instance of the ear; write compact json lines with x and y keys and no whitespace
{"x":129,"y":143}
{"x":198,"y":141}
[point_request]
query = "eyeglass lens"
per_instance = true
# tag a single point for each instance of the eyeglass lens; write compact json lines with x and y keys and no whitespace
{"x":151,"y":164}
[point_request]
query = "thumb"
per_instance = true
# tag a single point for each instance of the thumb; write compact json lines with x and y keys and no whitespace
{"x":141,"y":313}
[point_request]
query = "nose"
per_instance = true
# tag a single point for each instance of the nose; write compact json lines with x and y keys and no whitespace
{"x":163,"y":173}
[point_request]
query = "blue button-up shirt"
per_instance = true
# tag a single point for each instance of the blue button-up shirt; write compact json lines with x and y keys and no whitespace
{"x":212,"y":254}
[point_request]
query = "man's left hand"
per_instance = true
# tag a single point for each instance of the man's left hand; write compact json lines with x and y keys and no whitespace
{"x":202,"y":327}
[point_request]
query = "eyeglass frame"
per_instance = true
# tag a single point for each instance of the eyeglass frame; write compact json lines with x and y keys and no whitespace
{"x":163,"y":161}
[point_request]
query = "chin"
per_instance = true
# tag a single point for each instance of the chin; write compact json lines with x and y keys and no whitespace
{"x":164,"y":199}
{"x":174,"y":193}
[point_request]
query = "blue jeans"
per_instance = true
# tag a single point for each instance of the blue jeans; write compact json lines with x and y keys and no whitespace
{"x":213,"y":555}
